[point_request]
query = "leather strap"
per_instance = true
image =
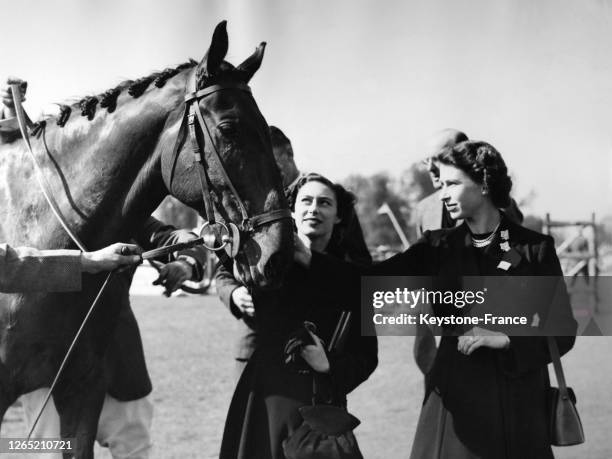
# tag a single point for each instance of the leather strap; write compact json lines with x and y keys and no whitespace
{"x":214,"y":88}
{"x":198,"y":161}
{"x":177,"y":145}
{"x":336,"y":340}
{"x":206,"y":132}
{"x":556,"y":361}
{"x":269,"y":217}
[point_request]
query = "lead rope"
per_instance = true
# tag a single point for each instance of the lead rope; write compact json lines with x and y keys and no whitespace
{"x":44,"y":186}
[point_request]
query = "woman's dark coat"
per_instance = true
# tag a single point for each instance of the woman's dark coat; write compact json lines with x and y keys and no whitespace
{"x":491,"y":404}
{"x":264,"y":408}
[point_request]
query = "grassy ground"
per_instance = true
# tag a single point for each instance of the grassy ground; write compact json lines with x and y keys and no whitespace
{"x":189,"y":344}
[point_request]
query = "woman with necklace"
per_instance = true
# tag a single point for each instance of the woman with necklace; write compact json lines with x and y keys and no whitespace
{"x":486,"y":396}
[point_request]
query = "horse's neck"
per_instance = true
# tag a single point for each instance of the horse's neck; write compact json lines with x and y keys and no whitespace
{"x":104,"y":173}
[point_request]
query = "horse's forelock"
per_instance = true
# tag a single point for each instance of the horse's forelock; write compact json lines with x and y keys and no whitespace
{"x":226,"y":72}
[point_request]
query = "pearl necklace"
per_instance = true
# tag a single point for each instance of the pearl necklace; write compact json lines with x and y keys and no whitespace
{"x":480,"y":243}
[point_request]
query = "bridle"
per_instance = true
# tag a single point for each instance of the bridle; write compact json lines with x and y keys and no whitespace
{"x":231,"y":233}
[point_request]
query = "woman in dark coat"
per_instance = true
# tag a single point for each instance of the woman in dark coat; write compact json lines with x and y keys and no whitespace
{"x":486,"y":396}
{"x":264,"y":409}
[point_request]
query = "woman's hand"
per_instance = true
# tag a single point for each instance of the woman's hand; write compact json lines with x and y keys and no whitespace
{"x":315,"y":356}
{"x":172,"y":275}
{"x":481,"y":337}
{"x":243,"y":301}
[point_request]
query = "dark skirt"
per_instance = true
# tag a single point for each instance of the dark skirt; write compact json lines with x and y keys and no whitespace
{"x":264,"y":410}
{"x":472,"y":410}
{"x":435,"y":437}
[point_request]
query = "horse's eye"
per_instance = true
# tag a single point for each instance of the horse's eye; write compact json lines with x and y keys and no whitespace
{"x":228,"y":129}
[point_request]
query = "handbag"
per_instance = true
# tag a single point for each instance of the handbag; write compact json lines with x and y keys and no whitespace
{"x":326,"y":431}
{"x":565,"y":425}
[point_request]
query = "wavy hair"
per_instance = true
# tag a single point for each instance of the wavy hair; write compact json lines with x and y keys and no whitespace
{"x":484,"y":165}
{"x":345,"y":201}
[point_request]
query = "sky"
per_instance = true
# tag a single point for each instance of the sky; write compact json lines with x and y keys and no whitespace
{"x":360,"y":86}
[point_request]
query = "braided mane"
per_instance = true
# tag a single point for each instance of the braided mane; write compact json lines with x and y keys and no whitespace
{"x":108,"y":99}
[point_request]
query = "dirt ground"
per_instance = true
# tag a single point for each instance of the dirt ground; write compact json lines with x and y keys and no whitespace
{"x":189,"y":343}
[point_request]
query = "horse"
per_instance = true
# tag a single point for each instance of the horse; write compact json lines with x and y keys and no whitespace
{"x":108,"y":170}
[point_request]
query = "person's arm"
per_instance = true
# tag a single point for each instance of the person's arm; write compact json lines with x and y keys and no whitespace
{"x":187,"y":264}
{"x":338,"y":276}
{"x":233,"y":294}
{"x":358,"y":359}
{"x":345,"y":368}
{"x":25,"y":269}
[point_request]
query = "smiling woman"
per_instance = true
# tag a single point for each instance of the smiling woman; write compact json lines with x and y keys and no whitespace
{"x":278,"y":378}
{"x":321,"y":211}
{"x":316,"y":213}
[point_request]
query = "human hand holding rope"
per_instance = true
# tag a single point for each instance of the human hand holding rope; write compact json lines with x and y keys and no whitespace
{"x":109,"y":258}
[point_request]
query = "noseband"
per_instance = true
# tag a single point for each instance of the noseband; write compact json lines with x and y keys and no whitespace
{"x":231,"y":233}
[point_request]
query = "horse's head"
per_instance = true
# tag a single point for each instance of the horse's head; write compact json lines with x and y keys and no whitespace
{"x":237,"y":180}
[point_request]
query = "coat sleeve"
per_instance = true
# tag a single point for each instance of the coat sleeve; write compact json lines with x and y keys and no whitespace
{"x":356,"y":356}
{"x":24,"y":269}
{"x":417,"y":260}
{"x":357,"y":360}
{"x":338,"y":277}
{"x":527,"y":353}
{"x":226,"y":284}
{"x":155,"y":233}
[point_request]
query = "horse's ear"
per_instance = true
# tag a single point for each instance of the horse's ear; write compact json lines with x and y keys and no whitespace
{"x":252,"y":63}
{"x":216,"y":52}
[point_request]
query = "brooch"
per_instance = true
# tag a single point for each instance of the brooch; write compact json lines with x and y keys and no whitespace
{"x":511,"y":257}
{"x":504,"y":265}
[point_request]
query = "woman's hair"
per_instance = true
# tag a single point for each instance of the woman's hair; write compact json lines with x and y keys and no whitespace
{"x":345,"y":200}
{"x":484,"y":165}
